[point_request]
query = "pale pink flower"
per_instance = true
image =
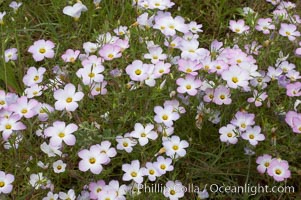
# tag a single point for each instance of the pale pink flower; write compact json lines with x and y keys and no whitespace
{"x":42,"y":49}
{"x":143,"y":134}
{"x":59,"y":133}
{"x":9,"y":125}
{"x":253,"y":135}
{"x":24,"y":108}
{"x":228,"y":134}
{"x":278,"y":169}
{"x":265,"y":25}
{"x":238,"y":26}
{"x":34,"y":76}
{"x":222,"y":95}
{"x":110,"y":51}
{"x":137,"y":70}
{"x":263,"y":163}
{"x":92,"y":160}
{"x":165,"y":115}
{"x":67,"y":98}
{"x":175,"y":147}
{"x":132,"y":172}
{"x":70,"y":55}
{"x":189,"y":85}
{"x":289,"y":30}
{"x":11,"y":54}
{"x":6,"y":181}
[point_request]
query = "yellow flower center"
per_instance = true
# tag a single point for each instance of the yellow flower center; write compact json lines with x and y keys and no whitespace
{"x":98,"y":89}
{"x":8,"y":126}
{"x":243,"y":125}
{"x":188,"y":70}
{"x":161,"y":71}
{"x":91,"y":75}
{"x":172,"y":192}
{"x":237,"y":30}
{"x":165,"y":117}
{"x":206,"y":67}
{"x":111,"y":56}
{"x":162,"y":27}
{"x":125,"y":144}
{"x":287,"y":33}
{"x":59,"y":167}
{"x":2,"y":184}
{"x":2,"y":102}
{"x":134,"y":174}
{"x":188,"y":87}
{"x":61,"y":134}
{"x":157,"y":4}
{"x":238,"y":61}
{"x":151,"y":172}
{"x":155,"y":57}
{"x":211,"y":96}
{"x":234,"y":79}
{"x":229,"y":134}
{"x":24,"y":111}
{"x":69,"y":100}
{"x":222,"y":97}
{"x":266,"y":164}
{"x":35,"y":93}
{"x":172,"y":27}
{"x":218,"y":67}
{"x":278,"y":171}
{"x":175,"y":147}
{"x":162,"y":166}
{"x":92,"y":160}
{"x":36,"y":78}
{"x":98,"y":190}
{"x":191,"y":51}
{"x":137,"y":71}
{"x":143,"y":135}
{"x":251,"y":136}
{"x":42,"y":50}
{"x":72,"y":59}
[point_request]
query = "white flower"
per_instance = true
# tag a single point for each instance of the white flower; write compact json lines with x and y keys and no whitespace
{"x":75,"y":10}
{"x":59,"y":166}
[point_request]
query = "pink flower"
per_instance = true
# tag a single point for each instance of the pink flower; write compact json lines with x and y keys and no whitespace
{"x":263,"y":163}
{"x":34,"y":76}
{"x":189,"y":67}
{"x":235,"y":77}
{"x":59,"y":133}
{"x":253,"y":135}
{"x":175,"y":147}
{"x":289,"y":30}
{"x":278,"y":169}
{"x":238,"y":26}
{"x":174,"y":190}
{"x":132,"y":172}
{"x":293,"y":119}
{"x":125,"y":142}
{"x":155,"y":55}
{"x":105,"y":148}
{"x":165,"y":115}
{"x":99,"y":88}
{"x":222,"y":95}
{"x":243,"y":120}
{"x":10,"y":124}
{"x":163,"y":165}
{"x":293,"y":89}
{"x":95,"y":188}
{"x":151,"y":171}
{"x":67,"y":98}
{"x":189,"y":85}
{"x":92,"y":160}
{"x":90,"y":74}
{"x":24,"y":108}
{"x":169,"y":25}
{"x":110,"y":51}
{"x":70,"y":55}
{"x":143,"y":134}
{"x":11,"y":54}
{"x":137,"y":70}
{"x":258,"y":98}
{"x":6,"y":182}
{"x":265,"y":25}
{"x":228,"y":134}
{"x":41,"y":49}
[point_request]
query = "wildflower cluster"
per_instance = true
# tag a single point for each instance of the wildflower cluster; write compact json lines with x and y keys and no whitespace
{"x":98,"y":118}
